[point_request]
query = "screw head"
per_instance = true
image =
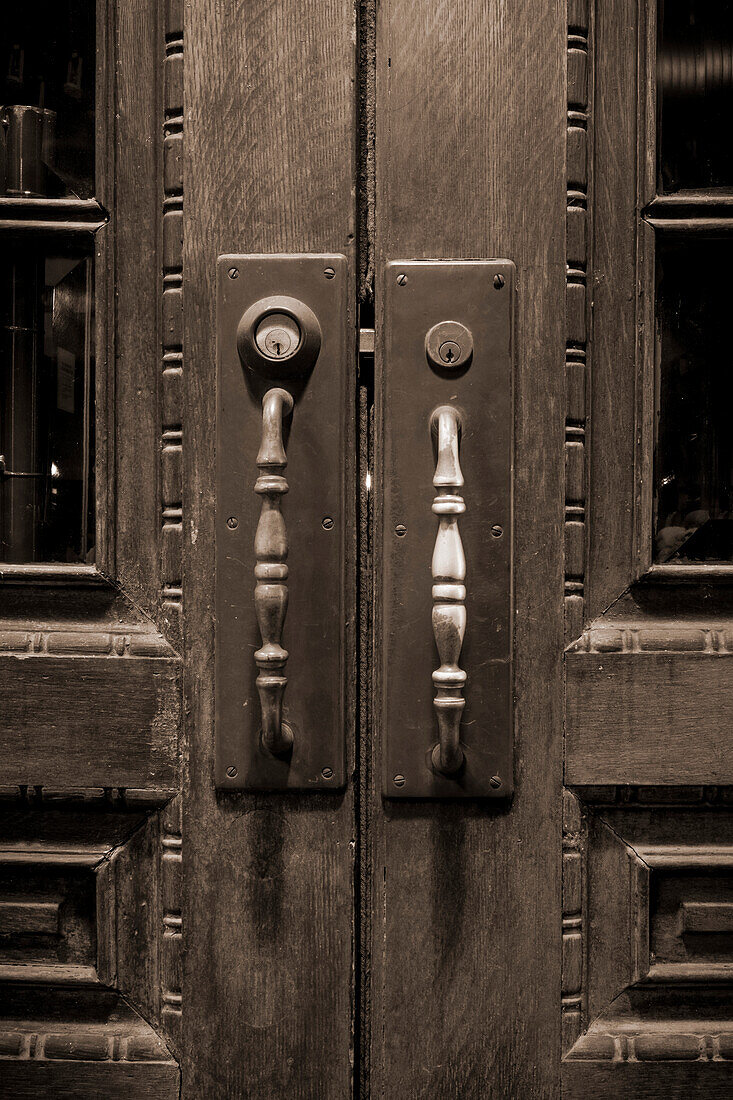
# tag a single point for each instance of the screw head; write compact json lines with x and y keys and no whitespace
{"x":233,"y":272}
{"x":232,"y":771}
{"x":399,"y":781}
{"x":499,"y":281}
{"x":400,"y":530}
{"x":329,"y":273}
{"x":495,"y":782}
{"x":401,"y":279}
{"x":497,"y":531}
{"x":327,"y":523}
{"x":232,"y":523}
{"x":327,"y":773}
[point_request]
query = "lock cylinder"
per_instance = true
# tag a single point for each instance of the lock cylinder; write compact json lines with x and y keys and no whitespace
{"x":279,"y":338}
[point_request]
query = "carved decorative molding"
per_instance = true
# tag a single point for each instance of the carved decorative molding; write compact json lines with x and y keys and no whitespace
{"x":172,"y":920}
{"x":69,"y":643}
{"x":657,"y":887}
{"x":171,"y":474}
{"x":573,"y":921}
{"x":606,"y":1042}
{"x":655,"y":637}
{"x":578,"y":270}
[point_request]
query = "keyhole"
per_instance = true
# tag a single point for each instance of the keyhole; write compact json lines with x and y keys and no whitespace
{"x":277,"y":336}
{"x":450,"y":352}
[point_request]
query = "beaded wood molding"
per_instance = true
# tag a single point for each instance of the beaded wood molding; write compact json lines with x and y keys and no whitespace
{"x":573,"y":921}
{"x":578,"y":307}
{"x":171,"y":403}
{"x":83,"y":643}
{"x":655,"y":637}
{"x":171,"y":481}
{"x":578,"y":274}
{"x":606,"y":1042}
{"x":138,"y":1043}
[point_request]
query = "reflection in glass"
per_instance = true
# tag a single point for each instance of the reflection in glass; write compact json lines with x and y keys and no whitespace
{"x":47,"y":394}
{"x":695,"y":94}
{"x":47,"y":74}
{"x":694,"y":459}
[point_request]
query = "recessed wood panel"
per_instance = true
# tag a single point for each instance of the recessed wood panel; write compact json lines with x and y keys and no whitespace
{"x":89,"y":721}
{"x":648,"y":718}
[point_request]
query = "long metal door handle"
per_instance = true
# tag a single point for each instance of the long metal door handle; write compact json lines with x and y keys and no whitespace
{"x":271,"y":572}
{"x":449,"y":590}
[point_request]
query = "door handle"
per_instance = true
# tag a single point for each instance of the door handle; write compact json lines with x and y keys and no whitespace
{"x":271,"y":572}
{"x":283,"y":597}
{"x":449,"y":590}
{"x":445,"y":374}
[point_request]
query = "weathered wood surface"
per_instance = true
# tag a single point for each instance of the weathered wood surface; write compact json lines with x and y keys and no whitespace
{"x":72,"y":721}
{"x":135,"y":438}
{"x":672,"y":1080}
{"x":649,"y":718}
{"x":614,"y":335}
{"x":268,"y":898}
{"x":26,"y":1080}
{"x":465,"y":901}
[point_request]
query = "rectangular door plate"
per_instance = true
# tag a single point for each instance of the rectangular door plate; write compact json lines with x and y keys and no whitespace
{"x":317,"y":437}
{"x":477,"y":296}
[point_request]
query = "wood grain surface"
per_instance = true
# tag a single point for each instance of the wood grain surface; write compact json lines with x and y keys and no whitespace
{"x":89,"y":721}
{"x":613,"y":406}
{"x":649,"y":718}
{"x":470,"y":154}
{"x":269,"y":115}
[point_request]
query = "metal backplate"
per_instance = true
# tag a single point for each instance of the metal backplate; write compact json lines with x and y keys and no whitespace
{"x":418,"y":295}
{"x":316,"y":437}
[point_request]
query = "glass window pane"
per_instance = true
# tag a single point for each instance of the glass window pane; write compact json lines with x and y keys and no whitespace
{"x":695,"y":94}
{"x":47,"y":76}
{"x":694,"y":458}
{"x":47,"y":414}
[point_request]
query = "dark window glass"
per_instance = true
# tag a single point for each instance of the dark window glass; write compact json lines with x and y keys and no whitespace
{"x":695,"y":94}
{"x":47,"y":396}
{"x":694,"y":459}
{"x":47,"y":74}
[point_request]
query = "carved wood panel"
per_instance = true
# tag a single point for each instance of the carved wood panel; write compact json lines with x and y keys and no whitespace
{"x":90,"y":695}
{"x":86,"y":975}
{"x":657,"y":959}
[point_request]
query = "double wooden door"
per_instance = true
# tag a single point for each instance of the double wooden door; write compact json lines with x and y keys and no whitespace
{"x":171,"y":926}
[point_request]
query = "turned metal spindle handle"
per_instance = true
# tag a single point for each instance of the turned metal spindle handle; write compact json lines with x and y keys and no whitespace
{"x":271,"y":572}
{"x":449,"y":590}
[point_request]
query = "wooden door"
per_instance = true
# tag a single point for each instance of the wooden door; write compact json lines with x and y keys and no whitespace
{"x":90,"y":848}
{"x":647,"y":888}
{"x":164,"y":932}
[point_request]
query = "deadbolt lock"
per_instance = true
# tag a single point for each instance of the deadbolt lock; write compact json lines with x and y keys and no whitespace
{"x":279,"y":338}
{"x":449,"y":345}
